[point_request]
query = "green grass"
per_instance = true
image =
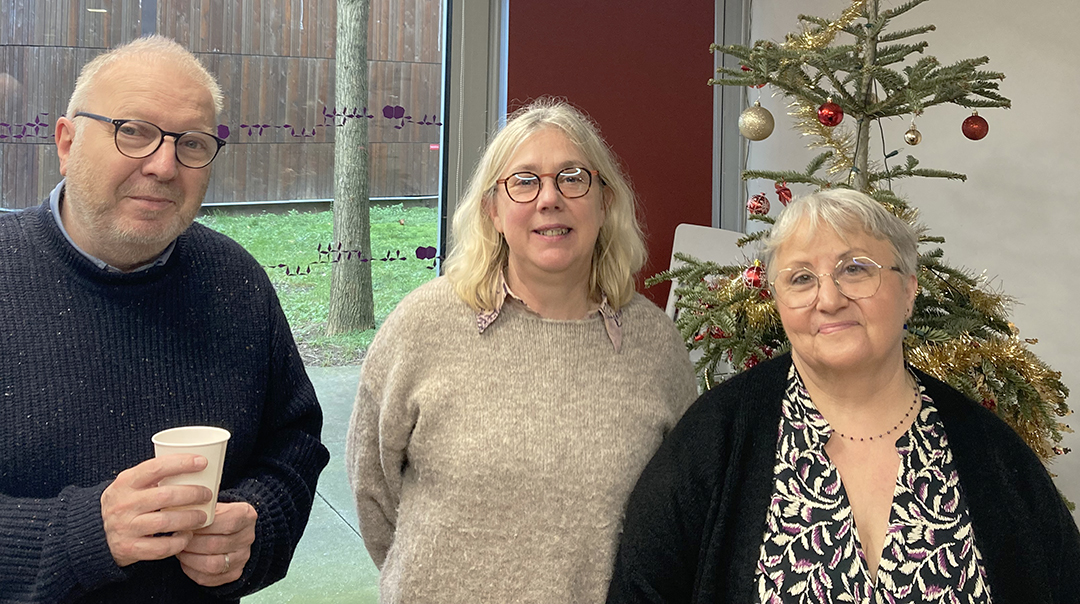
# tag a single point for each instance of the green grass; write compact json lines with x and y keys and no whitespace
{"x":294,"y":240}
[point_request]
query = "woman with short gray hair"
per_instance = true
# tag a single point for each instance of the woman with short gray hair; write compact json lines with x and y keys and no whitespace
{"x":837,"y":472}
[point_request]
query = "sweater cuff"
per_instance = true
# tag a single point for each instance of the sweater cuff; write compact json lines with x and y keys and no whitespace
{"x":257,"y":572}
{"x":83,"y":536}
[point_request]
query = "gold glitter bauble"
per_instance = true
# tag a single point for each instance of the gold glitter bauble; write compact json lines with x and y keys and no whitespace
{"x":756,"y":123}
{"x":912,"y":136}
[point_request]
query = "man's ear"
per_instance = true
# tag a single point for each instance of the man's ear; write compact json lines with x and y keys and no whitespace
{"x":65,"y":137}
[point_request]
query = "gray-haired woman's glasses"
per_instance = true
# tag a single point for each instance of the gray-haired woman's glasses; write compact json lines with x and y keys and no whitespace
{"x":524,"y":187}
{"x":138,"y":139}
{"x":855,"y":278}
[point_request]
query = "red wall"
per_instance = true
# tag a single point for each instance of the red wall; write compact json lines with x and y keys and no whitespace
{"x":639,"y":69}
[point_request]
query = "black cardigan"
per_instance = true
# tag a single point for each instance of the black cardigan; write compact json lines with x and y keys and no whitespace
{"x":695,"y":520}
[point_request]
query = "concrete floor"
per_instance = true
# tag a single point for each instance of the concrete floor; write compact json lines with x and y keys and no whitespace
{"x":330,"y":564}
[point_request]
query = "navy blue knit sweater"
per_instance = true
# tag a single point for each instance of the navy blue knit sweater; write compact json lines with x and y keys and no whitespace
{"x":93,"y":363}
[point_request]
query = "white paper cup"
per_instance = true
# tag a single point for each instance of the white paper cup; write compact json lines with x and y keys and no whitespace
{"x":207,"y":441}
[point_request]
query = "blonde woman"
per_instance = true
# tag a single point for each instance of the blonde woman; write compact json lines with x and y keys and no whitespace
{"x":506,"y":409}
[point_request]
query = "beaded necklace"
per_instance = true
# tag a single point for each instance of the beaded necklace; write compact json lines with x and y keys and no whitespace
{"x":898,"y":424}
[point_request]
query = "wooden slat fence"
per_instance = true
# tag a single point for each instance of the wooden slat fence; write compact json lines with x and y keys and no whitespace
{"x":275,"y":62}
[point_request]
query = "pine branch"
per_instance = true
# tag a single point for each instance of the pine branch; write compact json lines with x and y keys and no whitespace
{"x":789,"y":176}
{"x":896,"y":11}
{"x":909,"y":170}
{"x":752,"y":237}
{"x":906,"y":33}
{"x":896,"y":53}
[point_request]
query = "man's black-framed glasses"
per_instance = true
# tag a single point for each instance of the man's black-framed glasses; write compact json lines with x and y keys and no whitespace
{"x":523,"y":187}
{"x":138,"y":139}
{"x":856,"y":278}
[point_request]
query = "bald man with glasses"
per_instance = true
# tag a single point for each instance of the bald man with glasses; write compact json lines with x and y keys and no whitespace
{"x":121,"y":318}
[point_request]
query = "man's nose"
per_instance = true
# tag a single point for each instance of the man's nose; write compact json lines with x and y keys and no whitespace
{"x":162,"y":163}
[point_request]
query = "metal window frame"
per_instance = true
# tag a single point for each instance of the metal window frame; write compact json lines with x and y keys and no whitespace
{"x":729,"y":147}
{"x":474,"y":66}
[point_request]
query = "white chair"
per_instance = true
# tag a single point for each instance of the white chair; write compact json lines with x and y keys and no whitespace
{"x":704,"y":243}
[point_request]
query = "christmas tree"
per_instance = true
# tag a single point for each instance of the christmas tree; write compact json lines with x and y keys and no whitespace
{"x":841,"y":77}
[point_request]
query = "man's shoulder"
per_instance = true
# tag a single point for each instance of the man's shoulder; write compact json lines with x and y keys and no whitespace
{"x":15,"y":220}
{"x":201,"y":235}
{"x":16,"y":231}
{"x":217,"y":250}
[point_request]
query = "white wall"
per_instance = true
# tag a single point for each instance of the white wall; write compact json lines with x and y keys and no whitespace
{"x":1018,"y":215}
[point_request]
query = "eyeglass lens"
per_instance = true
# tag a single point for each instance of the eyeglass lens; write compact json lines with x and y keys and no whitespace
{"x":856,"y":278}
{"x":138,"y":139}
{"x":524,"y":187}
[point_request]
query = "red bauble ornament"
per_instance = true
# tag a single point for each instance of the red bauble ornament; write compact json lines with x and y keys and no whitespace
{"x":783,"y":192}
{"x":716,"y":332}
{"x":758,"y":205}
{"x":975,"y":126}
{"x":989,"y":403}
{"x":830,"y":113}
{"x":699,"y":337}
{"x":751,"y":362}
{"x":754,"y":277}
{"x":746,"y":68}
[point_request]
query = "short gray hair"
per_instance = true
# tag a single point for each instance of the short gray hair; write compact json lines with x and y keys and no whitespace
{"x":148,"y":48}
{"x":848,"y":212}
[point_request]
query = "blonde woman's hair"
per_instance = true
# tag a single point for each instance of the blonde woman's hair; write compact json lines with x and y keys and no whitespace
{"x":148,"y":49}
{"x":848,"y":212}
{"x":478,"y":252}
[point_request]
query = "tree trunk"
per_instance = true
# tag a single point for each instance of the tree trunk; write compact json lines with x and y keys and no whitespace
{"x":351,"y":304}
{"x":865,"y":91}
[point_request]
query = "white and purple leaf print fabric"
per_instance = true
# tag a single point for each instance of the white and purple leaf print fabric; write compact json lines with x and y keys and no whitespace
{"x":811,"y":551}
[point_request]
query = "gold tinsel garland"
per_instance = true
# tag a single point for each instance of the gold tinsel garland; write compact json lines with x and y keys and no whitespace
{"x":820,"y":37}
{"x":968,"y":356}
{"x":824,"y":137}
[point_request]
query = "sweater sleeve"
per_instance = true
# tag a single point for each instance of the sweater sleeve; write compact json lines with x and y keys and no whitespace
{"x":379,"y":429}
{"x":658,"y":556}
{"x":54,"y":549}
{"x":281,"y":478}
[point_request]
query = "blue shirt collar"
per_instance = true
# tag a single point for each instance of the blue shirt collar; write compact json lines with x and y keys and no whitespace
{"x":56,"y":197}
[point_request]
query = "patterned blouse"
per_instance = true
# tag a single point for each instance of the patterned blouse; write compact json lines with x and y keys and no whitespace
{"x":811,"y":551}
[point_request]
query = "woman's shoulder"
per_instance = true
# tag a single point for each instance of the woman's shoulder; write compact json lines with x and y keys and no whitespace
{"x":766,"y":381}
{"x":962,"y":413}
{"x":436,"y":299}
{"x":640,"y":314}
{"x":428,"y":311}
{"x":748,"y":402}
{"x":969,"y":424}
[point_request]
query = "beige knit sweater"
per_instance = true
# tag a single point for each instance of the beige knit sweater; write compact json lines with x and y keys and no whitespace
{"x":495,"y":467}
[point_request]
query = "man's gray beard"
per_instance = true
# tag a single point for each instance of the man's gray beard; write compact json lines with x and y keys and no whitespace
{"x":127,"y":246}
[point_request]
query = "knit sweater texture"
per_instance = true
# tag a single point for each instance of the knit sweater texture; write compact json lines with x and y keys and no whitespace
{"x":94,"y":363}
{"x":696,"y":519}
{"x":495,"y":467}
